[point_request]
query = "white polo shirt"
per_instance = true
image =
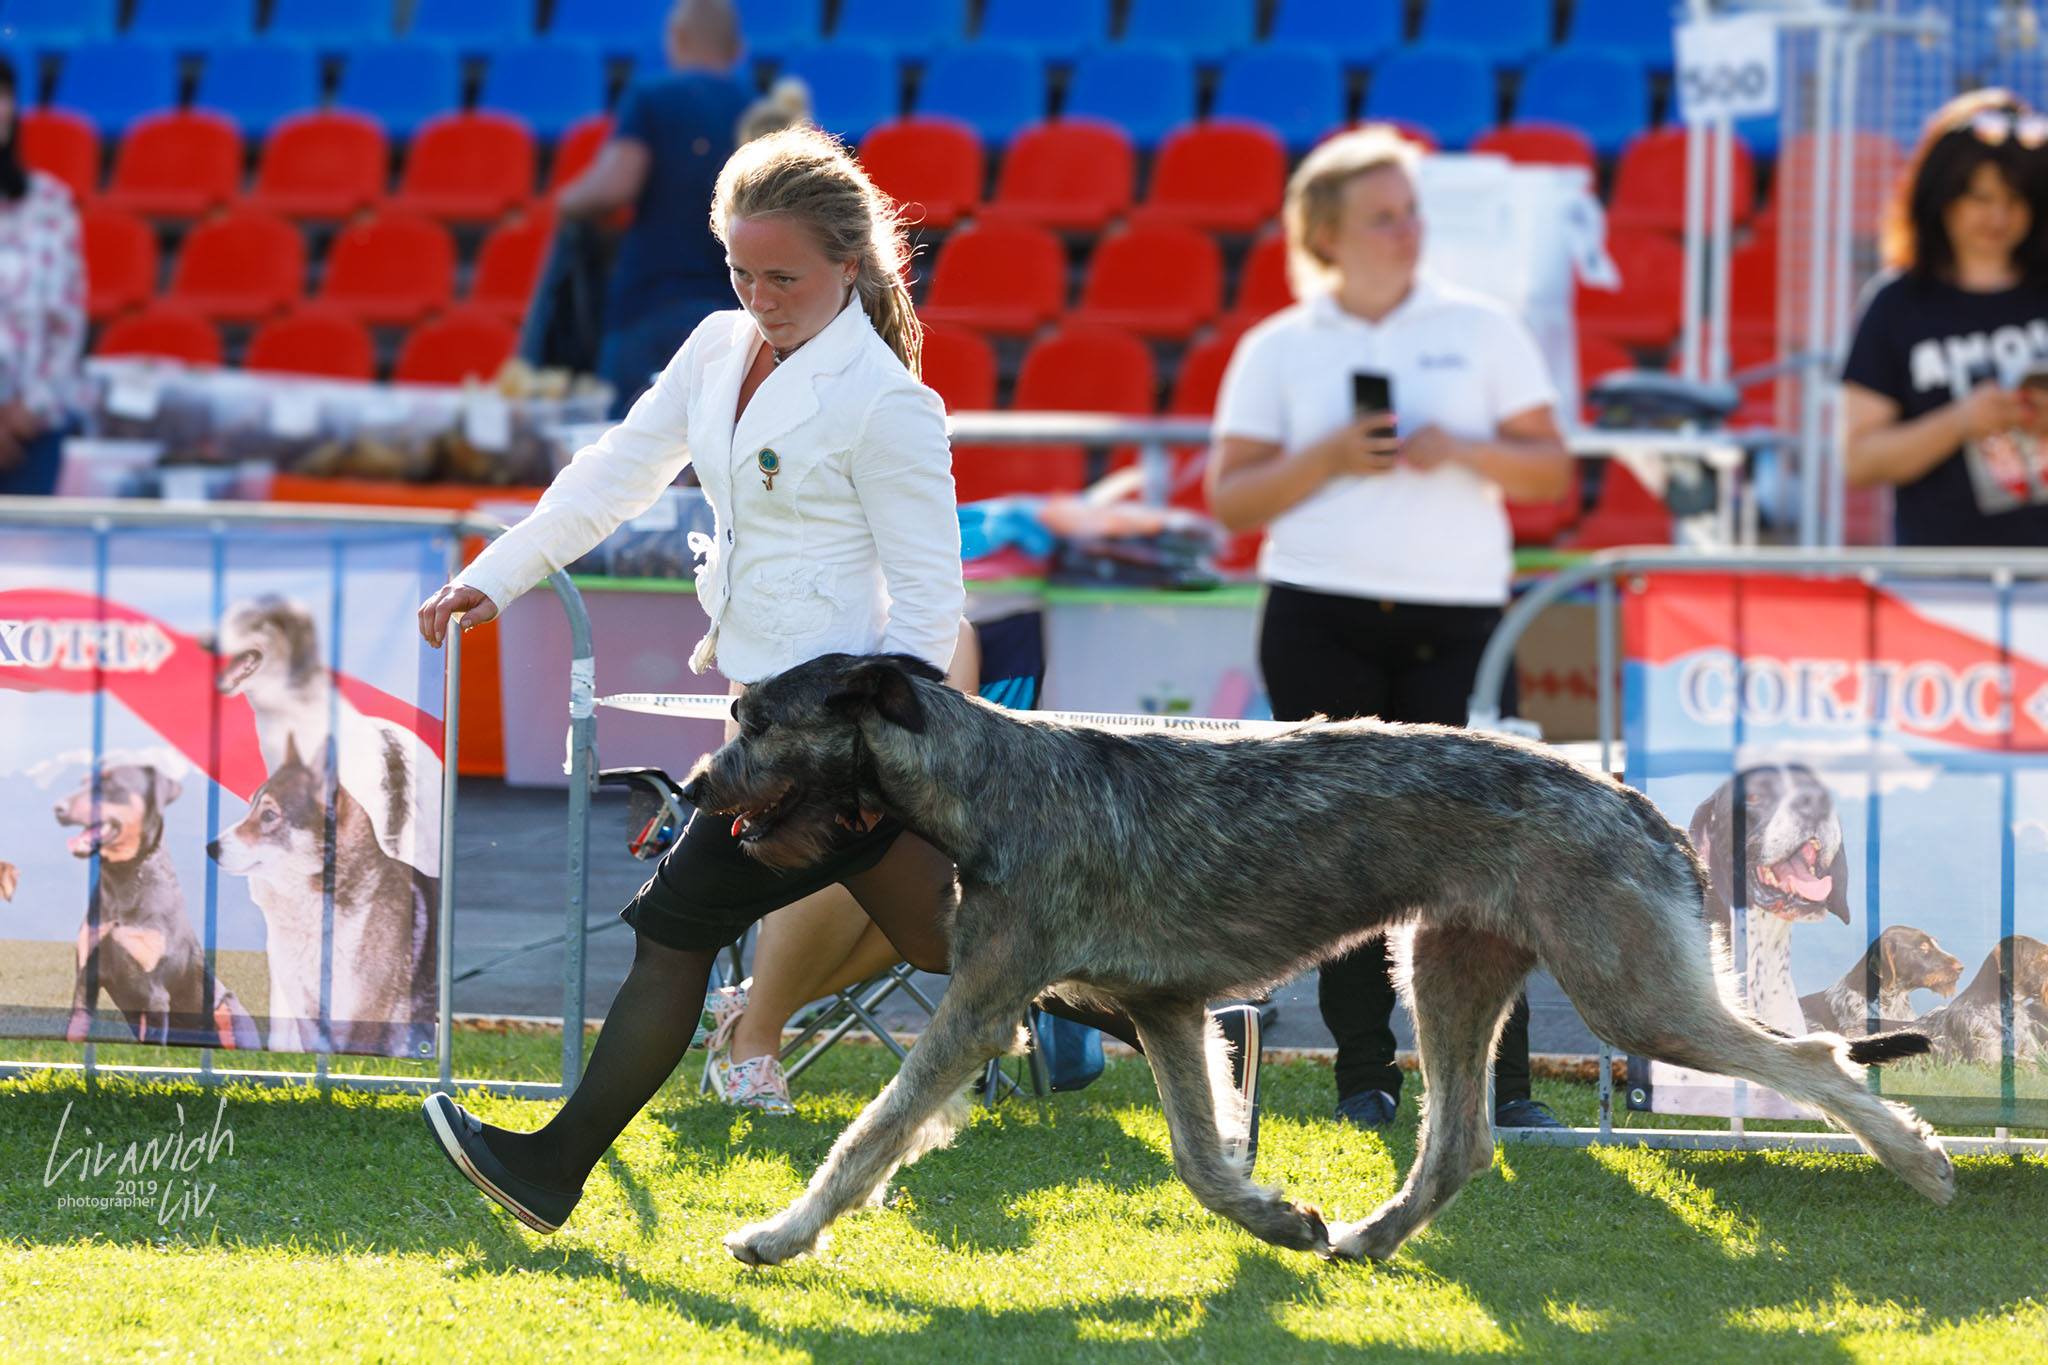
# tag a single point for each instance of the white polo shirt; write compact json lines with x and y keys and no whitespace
{"x":1457,"y":360}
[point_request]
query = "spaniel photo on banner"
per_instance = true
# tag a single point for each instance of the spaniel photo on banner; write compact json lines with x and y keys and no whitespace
{"x":220,"y":787}
{"x":1864,"y":770}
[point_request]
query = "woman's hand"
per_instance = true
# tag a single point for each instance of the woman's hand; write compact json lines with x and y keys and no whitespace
{"x":1430,"y":447}
{"x":1364,"y":447}
{"x":1990,"y":409}
{"x":436,"y":611}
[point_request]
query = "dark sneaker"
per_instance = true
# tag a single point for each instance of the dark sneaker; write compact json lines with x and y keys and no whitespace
{"x":1525,"y":1114}
{"x":1368,"y":1108}
{"x":460,"y":1136}
{"x":1240,"y":1025}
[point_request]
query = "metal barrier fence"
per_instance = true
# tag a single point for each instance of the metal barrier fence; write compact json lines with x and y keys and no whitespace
{"x":1603,"y":572}
{"x":108,"y":518}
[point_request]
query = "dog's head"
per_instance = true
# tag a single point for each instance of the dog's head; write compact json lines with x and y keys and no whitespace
{"x":129,"y":823}
{"x":1792,"y":861}
{"x":798,"y":774}
{"x":285,"y":829}
{"x":1908,"y":960}
{"x":266,"y":642}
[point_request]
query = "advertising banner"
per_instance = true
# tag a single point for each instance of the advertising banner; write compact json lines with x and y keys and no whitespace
{"x":1864,"y":770}
{"x":220,"y":787}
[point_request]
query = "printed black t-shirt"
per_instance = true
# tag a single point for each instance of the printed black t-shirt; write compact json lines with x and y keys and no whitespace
{"x":1923,"y":344}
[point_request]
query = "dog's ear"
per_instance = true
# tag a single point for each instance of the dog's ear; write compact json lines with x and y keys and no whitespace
{"x":167,"y":788}
{"x":883,"y":686}
{"x":1838,"y":888}
{"x":1887,"y":959}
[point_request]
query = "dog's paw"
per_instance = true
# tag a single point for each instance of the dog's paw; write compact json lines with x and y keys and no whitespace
{"x":769,"y":1243}
{"x":1366,"y":1241}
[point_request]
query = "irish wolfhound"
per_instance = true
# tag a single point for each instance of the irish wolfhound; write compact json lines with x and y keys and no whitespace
{"x":1157,"y":872}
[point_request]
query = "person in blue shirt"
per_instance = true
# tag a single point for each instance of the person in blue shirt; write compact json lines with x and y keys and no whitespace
{"x":672,"y":135}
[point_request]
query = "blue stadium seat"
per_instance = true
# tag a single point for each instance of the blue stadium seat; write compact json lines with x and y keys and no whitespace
{"x":1506,"y":32}
{"x":1641,"y":28}
{"x":401,"y":84}
{"x":550,"y":85}
{"x":1207,"y":30}
{"x":996,"y":90}
{"x":28,"y":71}
{"x":331,"y":24}
{"x":915,"y":31}
{"x":477,"y":25}
{"x":1149,"y":90}
{"x":48,"y":24}
{"x":1298,"y":92}
{"x":854,"y":86}
{"x":193,"y":24}
{"x":115,"y":83}
{"x":1603,"y":94}
{"x":1448,"y":90}
{"x":1053,"y":30}
{"x":617,"y":28}
{"x":773,"y":28}
{"x":258,"y":83}
{"x":1355,"y":32}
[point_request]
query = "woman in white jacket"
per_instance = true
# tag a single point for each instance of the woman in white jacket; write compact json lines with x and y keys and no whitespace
{"x":827,"y":465}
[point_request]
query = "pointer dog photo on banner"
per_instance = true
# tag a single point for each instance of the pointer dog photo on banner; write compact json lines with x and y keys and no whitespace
{"x":222,"y":796}
{"x":1864,"y":770}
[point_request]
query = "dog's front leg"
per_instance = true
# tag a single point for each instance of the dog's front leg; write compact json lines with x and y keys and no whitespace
{"x":980,"y":1016}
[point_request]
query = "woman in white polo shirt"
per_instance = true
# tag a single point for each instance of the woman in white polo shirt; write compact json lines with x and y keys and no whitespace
{"x":1388,"y":551}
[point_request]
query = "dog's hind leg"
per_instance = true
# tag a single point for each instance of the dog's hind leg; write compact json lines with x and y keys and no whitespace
{"x":1186,"y":1053}
{"x":1460,"y":985}
{"x":981,"y":1014}
{"x":1667,"y":1004}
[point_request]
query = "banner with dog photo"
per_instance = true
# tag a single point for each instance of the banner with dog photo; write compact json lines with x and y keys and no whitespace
{"x":220,"y":787}
{"x":1864,"y":770}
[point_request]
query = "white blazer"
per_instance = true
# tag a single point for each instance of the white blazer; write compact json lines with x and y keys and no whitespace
{"x":856,"y":545}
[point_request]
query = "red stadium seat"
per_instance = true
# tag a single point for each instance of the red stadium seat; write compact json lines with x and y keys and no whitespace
{"x":508,"y":265}
{"x":164,"y":330}
{"x":1071,"y":173}
{"x":1539,"y":144}
{"x":120,"y":261}
{"x":394,"y":268}
{"x":465,"y":344}
{"x":1156,"y":279}
{"x":1079,"y":369}
{"x":1753,"y":289}
{"x":1262,"y":286}
{"x":241,"y":268}
{"x":181,"y":164}
{"x":1874,"y":174}
{"x":468,"y":167}
{"x":999,"y":277}
{"x":314,"y":341}
{"x":1221,"y":174}
{"x":1649,"y":184}
{"x":1194,"y":395}
{"x":1541,"y":523}
{"x":64,"y":144}
{"x":1645,"y":310}
{"x":960,"y":366}
{"x":930,"y":164}
{"x":577,"y":148}
{"x":326,"y":165}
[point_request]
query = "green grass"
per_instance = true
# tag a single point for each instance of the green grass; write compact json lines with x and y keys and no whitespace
{"x":1045,"y":1233}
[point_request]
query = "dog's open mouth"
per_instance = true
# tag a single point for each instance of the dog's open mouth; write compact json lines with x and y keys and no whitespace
{"x":1795,"y":888}
{"x":751,"y":823}
{"x":238,"y":670}
{"x":91,"y":838}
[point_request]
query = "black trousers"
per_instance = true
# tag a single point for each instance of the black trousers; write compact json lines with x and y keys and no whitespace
{"x":1353,"y":656}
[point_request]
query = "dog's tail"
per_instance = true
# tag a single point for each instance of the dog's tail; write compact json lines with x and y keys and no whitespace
{"x":1879,"y":1048}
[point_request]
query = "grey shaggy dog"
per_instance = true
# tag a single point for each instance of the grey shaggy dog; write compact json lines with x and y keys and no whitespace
{"x":1157,"y":872}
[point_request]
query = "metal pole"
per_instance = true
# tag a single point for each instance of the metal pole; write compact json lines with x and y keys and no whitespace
{"x":1720,"y":220}
{"x":1603,"y":693}
{"x":1820,"y":207}
{"x":1695,"y":248}
{"x":582,"y":777}
{"x":444,"y":948}
{"x":1833,"y":528}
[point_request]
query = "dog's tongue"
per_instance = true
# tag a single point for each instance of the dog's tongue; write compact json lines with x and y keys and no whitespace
{"x":739,"y":824}
{"x":1793,"y":876}
{"x":83,"y":841}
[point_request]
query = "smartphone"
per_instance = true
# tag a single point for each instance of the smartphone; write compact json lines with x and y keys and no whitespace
{"x":1370,"y":392}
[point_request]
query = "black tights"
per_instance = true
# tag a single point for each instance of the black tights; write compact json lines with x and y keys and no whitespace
{"x":650,"y":1024}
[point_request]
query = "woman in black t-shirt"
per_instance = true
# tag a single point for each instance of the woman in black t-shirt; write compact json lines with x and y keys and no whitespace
{"x":1933,"y":401}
